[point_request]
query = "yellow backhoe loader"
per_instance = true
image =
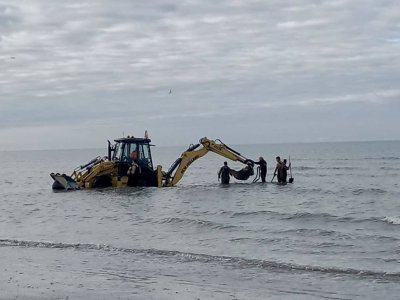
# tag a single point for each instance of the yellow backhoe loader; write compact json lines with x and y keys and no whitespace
{"x":129,"y":163}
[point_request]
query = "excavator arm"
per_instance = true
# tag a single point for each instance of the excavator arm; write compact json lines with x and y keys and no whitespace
{"x":179,"y":167}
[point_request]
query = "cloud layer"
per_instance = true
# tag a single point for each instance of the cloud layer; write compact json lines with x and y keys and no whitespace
{"x":243,"y":71}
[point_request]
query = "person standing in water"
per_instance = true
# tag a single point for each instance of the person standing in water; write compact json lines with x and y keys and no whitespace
{"x":284,"y":169}
{"x":224,"y":173}
{"x":263,"y":168}
{"x":278,"y":169}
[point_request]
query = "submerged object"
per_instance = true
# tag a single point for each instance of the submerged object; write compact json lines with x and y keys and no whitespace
{"x":244,"y":173}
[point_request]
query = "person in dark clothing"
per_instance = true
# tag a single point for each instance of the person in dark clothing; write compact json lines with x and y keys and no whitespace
{"x":284,"y":169}
{"x":263,"y":168}
{"x":224,"y":173}
{"x":278,"y":169}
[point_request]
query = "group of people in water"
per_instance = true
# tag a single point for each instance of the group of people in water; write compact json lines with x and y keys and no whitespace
{"x":280,"y":171}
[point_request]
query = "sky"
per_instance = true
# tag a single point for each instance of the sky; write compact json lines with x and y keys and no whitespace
{"x":76,"y":73}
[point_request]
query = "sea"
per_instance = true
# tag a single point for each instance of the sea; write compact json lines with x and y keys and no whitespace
{"x":334,"y":233}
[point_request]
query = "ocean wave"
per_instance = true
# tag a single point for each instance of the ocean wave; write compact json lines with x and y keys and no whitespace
{"x":316,"y":216}
{"x":282,"y":215}
{"x":388,"y":168}
{"x":371,"y":191}
{"x":303,"y":168}
{"x":349,"y":168}
{"x":306,"y":216}
{"x":384,"y":158}
{"x":311,"y":216}
{"x":254,"y":213}
{"x":237,"y":262}
{"x":204,"y":223}
{"x":313,"y":232}
{"x":332,"y":234}
{"x":297,"y":215}
{"x":306,"y":168}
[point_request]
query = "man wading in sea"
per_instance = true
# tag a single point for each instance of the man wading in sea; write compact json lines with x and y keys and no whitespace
{"x":224,"y":173}
{"x":284,"y":169}
{"x":278,"y":169}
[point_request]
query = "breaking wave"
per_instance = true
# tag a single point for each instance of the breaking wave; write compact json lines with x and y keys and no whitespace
{"x":392,"y":220}
{"x":311,"y":217}
{"x":237,"y":262}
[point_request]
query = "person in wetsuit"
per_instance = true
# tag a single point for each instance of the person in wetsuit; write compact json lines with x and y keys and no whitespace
{"x":263,"y":168}
{"x":224,"y":173}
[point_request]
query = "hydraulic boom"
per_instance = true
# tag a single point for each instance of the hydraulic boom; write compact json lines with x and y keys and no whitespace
{"x":179,"y":167}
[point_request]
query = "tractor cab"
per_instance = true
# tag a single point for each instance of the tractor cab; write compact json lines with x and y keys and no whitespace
{"x":129,"y":150}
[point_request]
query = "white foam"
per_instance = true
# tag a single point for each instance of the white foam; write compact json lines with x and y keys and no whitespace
{"x":392,"y":220}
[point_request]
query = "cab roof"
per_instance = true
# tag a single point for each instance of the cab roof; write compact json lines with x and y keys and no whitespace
{"x":133,"y":140}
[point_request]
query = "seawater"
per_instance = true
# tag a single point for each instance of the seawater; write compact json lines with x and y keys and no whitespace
{"x":333,"y":234}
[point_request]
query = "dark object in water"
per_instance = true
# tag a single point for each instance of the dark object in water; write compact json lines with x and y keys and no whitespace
{"x":63,"y":182}
{"x":243,"y":174}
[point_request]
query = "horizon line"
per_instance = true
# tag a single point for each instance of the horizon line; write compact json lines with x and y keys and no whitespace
{"x":244,"y":144}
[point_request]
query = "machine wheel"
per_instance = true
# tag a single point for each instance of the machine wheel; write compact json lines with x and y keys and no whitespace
{"x":102,"y":181}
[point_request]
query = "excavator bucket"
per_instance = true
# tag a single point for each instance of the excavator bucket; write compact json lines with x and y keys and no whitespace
{"x":63,"y":182}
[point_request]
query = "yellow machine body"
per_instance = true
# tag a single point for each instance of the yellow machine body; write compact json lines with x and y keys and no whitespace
{"x":127,"y":153}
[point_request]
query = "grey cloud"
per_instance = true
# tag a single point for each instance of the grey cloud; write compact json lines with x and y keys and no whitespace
{"x":101,"y":60}
{"x":9,"y":16}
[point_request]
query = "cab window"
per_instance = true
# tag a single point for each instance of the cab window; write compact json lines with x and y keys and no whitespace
{"x":118,"y":151}
{"x":144,"y":156}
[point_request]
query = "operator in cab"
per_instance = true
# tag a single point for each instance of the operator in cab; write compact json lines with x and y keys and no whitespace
{"x":224,"y":173}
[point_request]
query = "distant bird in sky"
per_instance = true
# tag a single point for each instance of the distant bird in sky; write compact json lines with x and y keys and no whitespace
{"x":12,"y":57}
{"x":170,"y":91}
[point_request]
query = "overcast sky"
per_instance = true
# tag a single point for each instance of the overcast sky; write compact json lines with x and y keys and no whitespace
{"x":76,"y":73}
